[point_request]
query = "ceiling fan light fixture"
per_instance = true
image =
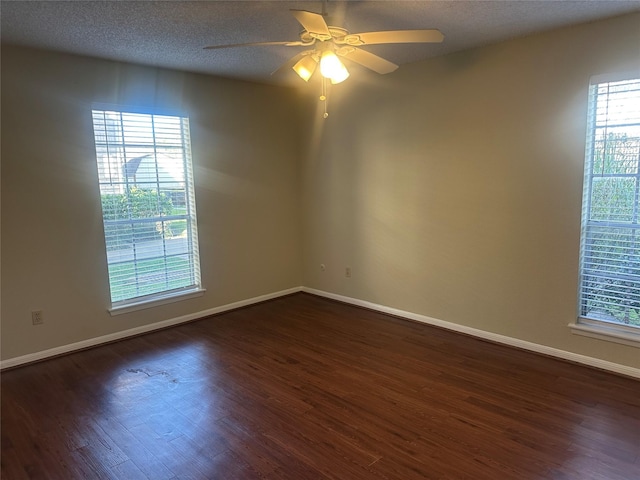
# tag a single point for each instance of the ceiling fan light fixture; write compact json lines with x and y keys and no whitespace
{"x":332,"y":68}
{"x":305,"y":67}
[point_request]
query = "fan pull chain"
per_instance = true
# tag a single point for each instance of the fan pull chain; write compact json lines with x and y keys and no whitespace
{"x":323,"y":97}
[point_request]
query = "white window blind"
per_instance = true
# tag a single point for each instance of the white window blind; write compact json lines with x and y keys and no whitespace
{"x":610,"y":249}
{"x":148,"y":205}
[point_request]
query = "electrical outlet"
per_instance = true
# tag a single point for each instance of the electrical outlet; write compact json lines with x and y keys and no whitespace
{"x":37,"y":317}
{"x":347,"y":272}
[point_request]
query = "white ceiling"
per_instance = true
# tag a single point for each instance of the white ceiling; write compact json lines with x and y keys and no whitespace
{"x":172,"y":33}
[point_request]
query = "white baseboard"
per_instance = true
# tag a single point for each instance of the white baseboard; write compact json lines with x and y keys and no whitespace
{"x":494,"y":337}
{"x":92,"y":342}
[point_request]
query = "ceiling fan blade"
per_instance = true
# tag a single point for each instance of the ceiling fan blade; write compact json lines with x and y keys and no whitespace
{"x":399,"y":36}
{"x":369,"y":60}
{"x":312,"y":22}
{"x":255,"y":44}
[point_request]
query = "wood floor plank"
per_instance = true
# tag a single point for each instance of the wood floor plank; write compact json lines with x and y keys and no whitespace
{"x":306,"y":388}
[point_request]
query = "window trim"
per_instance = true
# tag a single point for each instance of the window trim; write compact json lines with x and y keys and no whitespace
{"x":590,"y":327}
{"x":182,"y":293}
{"x":611,"y":332}
{"x":156,"y":301}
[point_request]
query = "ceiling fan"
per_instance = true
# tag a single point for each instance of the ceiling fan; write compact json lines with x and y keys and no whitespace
{"x":330,"y":43}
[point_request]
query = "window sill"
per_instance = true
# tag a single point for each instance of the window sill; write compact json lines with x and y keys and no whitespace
{"x":602,"y":331}
{"x":157,"y":301}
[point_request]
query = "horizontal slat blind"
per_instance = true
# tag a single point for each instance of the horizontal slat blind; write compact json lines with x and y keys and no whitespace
{"x":610,"y":253}
{"x":148,"y":204}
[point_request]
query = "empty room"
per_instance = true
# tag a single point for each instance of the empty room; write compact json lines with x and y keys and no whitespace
{"x":320,"y":240}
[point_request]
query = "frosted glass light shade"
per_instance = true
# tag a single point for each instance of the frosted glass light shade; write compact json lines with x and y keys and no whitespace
{"x":332,"y":68}
{"x":305,"y":67}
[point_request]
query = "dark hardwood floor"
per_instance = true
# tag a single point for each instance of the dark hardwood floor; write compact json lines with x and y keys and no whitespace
{"x":306,"y":388}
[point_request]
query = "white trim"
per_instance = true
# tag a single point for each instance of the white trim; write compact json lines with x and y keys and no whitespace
{"x":157,"y":301}
{"x":494,"y":337}
{"x":603,"y":333}
{"x":92,"y":342}
{"x":514,"y":342}
{"x":139,"y":109}
{"x":614,"y":77}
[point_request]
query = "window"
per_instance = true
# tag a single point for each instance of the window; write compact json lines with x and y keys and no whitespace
{"x":610,"y":245}
{"x":148,"y":207}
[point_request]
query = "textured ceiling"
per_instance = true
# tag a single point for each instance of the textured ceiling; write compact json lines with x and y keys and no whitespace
{"x":172,"y":33}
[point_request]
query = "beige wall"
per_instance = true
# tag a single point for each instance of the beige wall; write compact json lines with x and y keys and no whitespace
{"x":246,"y":151}
{"x":452,"y":187}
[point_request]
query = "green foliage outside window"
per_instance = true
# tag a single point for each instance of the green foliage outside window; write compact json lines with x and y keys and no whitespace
{"x":612,"y":249}
{"x":143,"y":205}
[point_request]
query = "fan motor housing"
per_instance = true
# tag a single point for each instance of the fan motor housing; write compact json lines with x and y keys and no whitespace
{"x":337,"y":35}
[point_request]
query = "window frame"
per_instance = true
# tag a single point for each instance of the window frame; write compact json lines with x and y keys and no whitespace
{"x":167,"y":295}
{"x":585,"y":325}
